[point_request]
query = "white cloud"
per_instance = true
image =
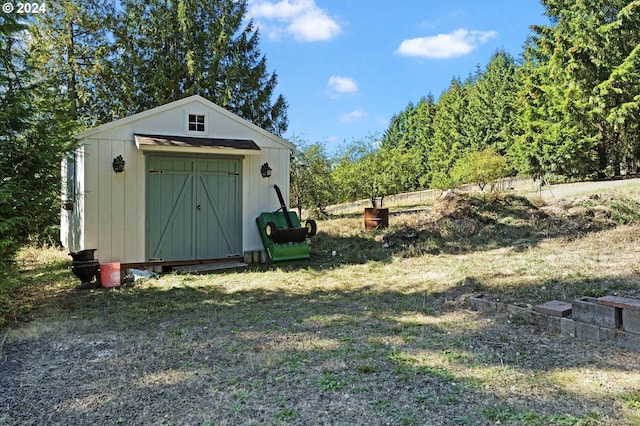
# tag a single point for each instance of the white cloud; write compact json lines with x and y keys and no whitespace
{"x":302,"y":19}
{"x":353,"y":116}
{"x":442,"y":46}
{"x":338,"y":85}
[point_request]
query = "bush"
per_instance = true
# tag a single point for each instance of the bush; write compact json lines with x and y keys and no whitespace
{"x":481,"y":168}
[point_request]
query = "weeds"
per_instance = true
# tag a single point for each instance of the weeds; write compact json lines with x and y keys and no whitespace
{"x":625,"y":211}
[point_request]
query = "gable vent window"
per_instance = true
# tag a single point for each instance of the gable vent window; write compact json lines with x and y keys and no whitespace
{"x":196,"y":123}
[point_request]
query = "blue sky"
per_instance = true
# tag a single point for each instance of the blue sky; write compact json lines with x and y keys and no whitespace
{"x":347,"y":66}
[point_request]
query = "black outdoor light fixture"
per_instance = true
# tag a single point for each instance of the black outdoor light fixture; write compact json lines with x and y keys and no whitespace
{"x":265,"y":170}
{"x":118,"y":164}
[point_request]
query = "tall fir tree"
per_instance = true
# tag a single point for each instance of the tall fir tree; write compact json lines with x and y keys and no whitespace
{"x":69,"y":48}
{"x":169,"y":49}
{"x":491,"y":103}
{"x":411,"y":131}
{"x":577,"y":101}
{"x":31,"y":144}
{"x":450,"y":140}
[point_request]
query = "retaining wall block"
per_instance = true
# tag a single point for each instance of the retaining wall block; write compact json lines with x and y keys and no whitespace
{"x":586,"y":310}
{"x":521,"y":312}
{"x":594,"y":333}
{"x":547,"y":322}
{"x":482,"y":303}
{"x":587,"y":331}
{"x":631,"y":321}
{"x":628,"y":341}
{"x":567,"y":327}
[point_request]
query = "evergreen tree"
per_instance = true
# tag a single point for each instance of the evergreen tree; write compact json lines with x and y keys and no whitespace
{"x":402,"y":129}
{"x":31,"y":141}
{"x":450,"y":140}
{"x":490,"y":111}
{"x":421,"y":149}
{"x":14,"y":113}
{"x":553,"y":139}
{"x":411,"y":132}
{"x":578,"y":91}
{"x":169,"y":49}
{"x":69,"y":47}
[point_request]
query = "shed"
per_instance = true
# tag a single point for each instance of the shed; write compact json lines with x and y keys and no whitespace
{"x":190,"y":190}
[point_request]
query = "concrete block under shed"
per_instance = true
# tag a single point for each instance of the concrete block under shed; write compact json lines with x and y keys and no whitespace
{"x":555,"y":308}
{"x":586,"y":310}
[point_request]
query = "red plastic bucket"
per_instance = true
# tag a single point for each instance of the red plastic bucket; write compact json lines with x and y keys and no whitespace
{"x":110,"y":274}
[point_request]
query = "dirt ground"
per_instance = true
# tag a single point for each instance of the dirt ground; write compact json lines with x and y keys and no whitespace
{"x":88,"y":372}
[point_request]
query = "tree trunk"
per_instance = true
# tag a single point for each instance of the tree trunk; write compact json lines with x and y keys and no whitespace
{"x":602,"y":159}
{"x":71,"y":77}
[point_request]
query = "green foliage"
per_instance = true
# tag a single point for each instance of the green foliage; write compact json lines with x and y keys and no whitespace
{"x":480,"y":167}
{"x":489,"y":118}
{"x":165,"y":53}
{"x":449,"y":142}
{"x":570,"y":109}
{"x":311,"y":184}
{"x":30,"y":150}
{"x":625,"y":211}
{"x":365,"y":171}
{"x":580,"y":90}
{"x":412,"y":130}
{"x":70,"y":47}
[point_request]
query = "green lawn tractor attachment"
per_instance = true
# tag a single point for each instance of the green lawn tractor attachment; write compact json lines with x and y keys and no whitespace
{"x":282,"y":235}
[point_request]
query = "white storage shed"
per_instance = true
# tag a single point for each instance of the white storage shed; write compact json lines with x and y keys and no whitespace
{"x":190,"y":190}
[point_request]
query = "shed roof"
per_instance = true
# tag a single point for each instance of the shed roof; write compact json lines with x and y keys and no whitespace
{"x":193,"y":142}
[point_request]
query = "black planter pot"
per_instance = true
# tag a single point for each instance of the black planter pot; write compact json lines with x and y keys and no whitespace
{"x":82,"y":255}
{"x":85,"y":270}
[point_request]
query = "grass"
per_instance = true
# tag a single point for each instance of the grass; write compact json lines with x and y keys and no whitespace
{"x":383,"y":321}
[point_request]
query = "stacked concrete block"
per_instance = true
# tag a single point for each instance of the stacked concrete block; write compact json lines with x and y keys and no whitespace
{"x":552,"y":315}
{"x":594,"y":321}
{"x":606,"y":319}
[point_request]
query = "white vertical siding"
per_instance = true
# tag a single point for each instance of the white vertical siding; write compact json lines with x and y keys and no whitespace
{"x":258,"y":193}
{"x":113,"y":202}
{"x":65,"y":216}
{"x":90,"y":196}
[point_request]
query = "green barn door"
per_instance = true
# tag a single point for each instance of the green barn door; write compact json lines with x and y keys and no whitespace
{"x":194,"y":208}
{"x":219,"y":208}
{"x":170,"y":208}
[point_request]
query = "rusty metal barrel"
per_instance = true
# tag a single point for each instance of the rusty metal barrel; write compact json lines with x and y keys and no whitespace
{"x":376,"y":218}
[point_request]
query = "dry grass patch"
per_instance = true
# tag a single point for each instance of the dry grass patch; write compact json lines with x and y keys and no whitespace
{"x":380,"y":333}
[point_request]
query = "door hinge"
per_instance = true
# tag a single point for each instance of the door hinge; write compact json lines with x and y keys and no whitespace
{"x":233,"y":174}
{"x":156,"y":172}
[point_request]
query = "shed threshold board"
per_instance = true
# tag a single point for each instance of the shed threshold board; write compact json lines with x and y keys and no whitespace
{"x":175,"y":263}
{"x":209,"y":267}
